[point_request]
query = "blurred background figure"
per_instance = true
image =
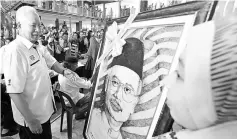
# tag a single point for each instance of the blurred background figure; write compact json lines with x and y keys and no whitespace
{"x":74,"y":45}
{"x":87,"y":39}
{"x":2,"y":36}
{"x":51,"y":46}
{"x":42,"y":40}
{"x":63,"y":29}
{"x":62,"y":45}
{"x":82,"y":45}
{"x":91,"y":56}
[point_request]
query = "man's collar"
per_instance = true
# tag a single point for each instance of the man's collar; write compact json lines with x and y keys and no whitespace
{"x":26,"y":42}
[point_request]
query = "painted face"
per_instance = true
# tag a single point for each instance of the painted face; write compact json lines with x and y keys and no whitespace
{"x":30,"y":28}
{"x":122,"y":93}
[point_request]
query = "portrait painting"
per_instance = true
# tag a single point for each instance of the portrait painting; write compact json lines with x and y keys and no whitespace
{"x":127,"y":88}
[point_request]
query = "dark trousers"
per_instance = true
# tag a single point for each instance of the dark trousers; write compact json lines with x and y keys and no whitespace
{"x":8,"y":121}
{"x":25,"y":132}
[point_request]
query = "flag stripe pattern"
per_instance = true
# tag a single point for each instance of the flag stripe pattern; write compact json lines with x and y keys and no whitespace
{"x":224,"y":72}
{"x":157,"y":62}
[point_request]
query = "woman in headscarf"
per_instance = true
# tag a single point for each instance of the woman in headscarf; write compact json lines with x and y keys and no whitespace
{"x":203,"y":91}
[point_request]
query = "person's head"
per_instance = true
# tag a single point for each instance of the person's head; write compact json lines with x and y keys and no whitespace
{"x":97,"y":34}
{"x":44,"y":31}
{"x":64,"y":28}
{"x":89,"y":34}
{"x":200,"y":79}
{"x":81,"y":34}
{"x":42,"y":37}
{"x":75,"y":36}
{"x":123,"y":82}
{"x":28,"y":23}
{"x":51,"y":41}
{"x":56,"y":37}
{"x":102,"y":31}
{"x":71,"y":63}
{"x":53,"y":29}
{"x":65,"y":36}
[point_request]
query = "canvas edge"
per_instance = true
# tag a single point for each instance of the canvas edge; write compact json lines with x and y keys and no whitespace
{"x":168,"y":12}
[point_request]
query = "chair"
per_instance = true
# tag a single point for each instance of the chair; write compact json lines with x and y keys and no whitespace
{"x":69,"y":109}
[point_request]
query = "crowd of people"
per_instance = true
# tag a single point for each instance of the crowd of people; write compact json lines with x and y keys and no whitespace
{"x":202,"y":90}
{"x":61,"y":44}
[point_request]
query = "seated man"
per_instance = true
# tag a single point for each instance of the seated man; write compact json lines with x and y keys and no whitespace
{"x":72,"y":88}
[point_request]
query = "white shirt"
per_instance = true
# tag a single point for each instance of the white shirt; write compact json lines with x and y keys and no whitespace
{"x":72,"y":88}
{"x":26,"y":71}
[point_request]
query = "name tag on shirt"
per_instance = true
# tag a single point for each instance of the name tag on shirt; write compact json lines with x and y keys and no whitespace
{"x":34,"y":58}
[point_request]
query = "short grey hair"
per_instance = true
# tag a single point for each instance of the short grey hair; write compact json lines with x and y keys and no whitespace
{"x":21,"y":13}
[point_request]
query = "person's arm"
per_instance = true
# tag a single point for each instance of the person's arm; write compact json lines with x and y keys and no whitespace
{"x":51,"y":61}
{"x":57,"y":67}
{"x":82,"y":83}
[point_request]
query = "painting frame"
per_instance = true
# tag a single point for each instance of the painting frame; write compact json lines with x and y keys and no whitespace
{"x":193,"y":12}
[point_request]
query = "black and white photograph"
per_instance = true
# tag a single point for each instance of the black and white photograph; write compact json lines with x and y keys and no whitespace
{"x":118,"y":69}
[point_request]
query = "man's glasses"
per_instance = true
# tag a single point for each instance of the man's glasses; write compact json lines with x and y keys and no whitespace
{"x":128,"y":93}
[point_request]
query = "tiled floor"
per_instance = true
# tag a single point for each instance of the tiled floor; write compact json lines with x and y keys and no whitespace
{"x":76,"y":133}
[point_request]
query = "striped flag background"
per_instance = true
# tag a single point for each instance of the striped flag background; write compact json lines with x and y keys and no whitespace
{"x":160,"y":43}
{"x":224,"y":70}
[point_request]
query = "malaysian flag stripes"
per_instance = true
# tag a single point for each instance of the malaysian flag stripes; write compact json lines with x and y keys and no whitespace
{"x":159,"y":49}
{"x":224,"y":72}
